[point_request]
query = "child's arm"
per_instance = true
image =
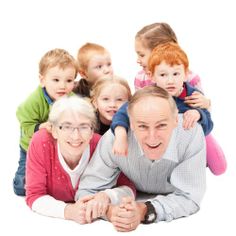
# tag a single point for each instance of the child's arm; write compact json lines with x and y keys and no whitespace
{"x":202,"y":116}
{"x":120,"y":146}
{"x":190,"y":118}
{"x":197,"y":99}
{"x":120,"y":126}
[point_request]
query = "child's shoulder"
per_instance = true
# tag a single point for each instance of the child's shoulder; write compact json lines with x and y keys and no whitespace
{"x":36,"y":97}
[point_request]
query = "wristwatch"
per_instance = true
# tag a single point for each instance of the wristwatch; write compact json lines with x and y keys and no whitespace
{"x":150,"y":215}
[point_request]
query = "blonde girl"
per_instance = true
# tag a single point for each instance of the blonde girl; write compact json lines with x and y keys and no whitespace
{"x":107,"y":96}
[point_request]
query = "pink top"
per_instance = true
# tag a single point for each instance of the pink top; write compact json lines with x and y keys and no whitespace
{"x":142,"y":80}
{"x":44,"y":173}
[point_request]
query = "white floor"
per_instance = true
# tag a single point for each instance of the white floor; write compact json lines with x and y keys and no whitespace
{"x":216,"y":217}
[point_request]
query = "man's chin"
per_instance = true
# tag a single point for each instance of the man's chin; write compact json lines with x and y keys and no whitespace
{"x":154,"y":155}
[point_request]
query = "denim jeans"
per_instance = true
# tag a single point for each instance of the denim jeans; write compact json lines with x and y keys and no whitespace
{"x":19,"y":180}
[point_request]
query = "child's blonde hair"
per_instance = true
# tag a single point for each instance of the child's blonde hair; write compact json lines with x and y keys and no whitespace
{"x":101,"y":83}
{"x":170,"y":53}
{"x":56,"y":57}
{"x":155,"y":34}
{"x":86,"y":52}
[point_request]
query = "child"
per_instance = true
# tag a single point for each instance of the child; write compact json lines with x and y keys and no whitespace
{"x":168,"y":67}
{"x":57,"y":72}
{"x":108,"y":95}
{"x":94,"y":62}
{"x":145,"y":41}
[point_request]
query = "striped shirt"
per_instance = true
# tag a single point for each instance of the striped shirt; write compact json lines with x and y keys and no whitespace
{"x":178,"y":178}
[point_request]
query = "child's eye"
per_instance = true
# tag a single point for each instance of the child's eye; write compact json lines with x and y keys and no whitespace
{"x":176,"y":73}
{"x":99,"y":67}
{"x":105,"y":99}
{"x":70,"y":80}
{"x":56,"y":80}
{"x":162,"y":74}
{"x":120,"y":99}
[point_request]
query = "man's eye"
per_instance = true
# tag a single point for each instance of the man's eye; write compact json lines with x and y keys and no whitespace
{"x":142,"y":127}
{"x":162,"y":126}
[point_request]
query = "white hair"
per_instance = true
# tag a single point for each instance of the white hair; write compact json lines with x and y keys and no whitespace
{"x":75,"y":104}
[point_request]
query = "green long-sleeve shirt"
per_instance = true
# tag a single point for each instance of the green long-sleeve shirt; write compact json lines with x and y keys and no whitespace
{"x":33,"y":111}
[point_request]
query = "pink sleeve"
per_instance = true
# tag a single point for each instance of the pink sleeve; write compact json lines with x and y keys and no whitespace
{"x":142,"y":80}
{"x":195,"y":80}
{"x":35,"y":171}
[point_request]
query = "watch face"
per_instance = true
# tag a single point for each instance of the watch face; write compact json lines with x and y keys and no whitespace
{"x":151,"y":217}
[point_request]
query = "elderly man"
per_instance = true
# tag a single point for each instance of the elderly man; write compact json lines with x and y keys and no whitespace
{"x":163,"y":159}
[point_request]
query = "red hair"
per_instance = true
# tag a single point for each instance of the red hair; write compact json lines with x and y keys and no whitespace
{"x":170,"y":53}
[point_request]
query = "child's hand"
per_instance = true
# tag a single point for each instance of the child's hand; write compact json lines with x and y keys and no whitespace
{"x":46,"y":125}
{"x":190,"y":118}
{"x":197,"y":99}
{"x":120,"y":145}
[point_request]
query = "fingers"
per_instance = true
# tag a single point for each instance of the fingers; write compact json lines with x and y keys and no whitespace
{"x":86,"y":198}
{"x":95,"y":209}
{"x":125,"y":220}
{"x":189,"y":122}
{"x":125,"y":227}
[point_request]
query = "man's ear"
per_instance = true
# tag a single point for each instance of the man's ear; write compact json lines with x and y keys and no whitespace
{"x":176,"y":119}
{"x":131,"y":123}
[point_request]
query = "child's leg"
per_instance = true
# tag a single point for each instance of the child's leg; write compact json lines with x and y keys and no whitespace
{"x":19,"y":180}
{"x":215,"y":156}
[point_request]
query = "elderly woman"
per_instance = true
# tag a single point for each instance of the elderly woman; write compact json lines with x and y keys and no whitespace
{"x":57,"y":159}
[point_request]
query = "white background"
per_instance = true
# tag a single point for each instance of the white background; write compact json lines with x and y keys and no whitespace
{"x":205,"y":30}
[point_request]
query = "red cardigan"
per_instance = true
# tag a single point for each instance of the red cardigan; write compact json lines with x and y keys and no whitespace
{"x":46,"y":176}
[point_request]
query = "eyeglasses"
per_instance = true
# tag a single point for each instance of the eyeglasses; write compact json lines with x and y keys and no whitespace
{"x":83,"y":129}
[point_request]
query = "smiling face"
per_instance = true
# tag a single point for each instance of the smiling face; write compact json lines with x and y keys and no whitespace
{"x":72,"y":142}
{"x":99,"y":66}
{"x":153,"y":122}
{"x":110,"y":99}
{"x":170,"y":78}
{"x":143,"y":54}
{"x":57,"y":81}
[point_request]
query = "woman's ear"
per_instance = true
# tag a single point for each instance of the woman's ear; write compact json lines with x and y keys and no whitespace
{"x":54,"y":132}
